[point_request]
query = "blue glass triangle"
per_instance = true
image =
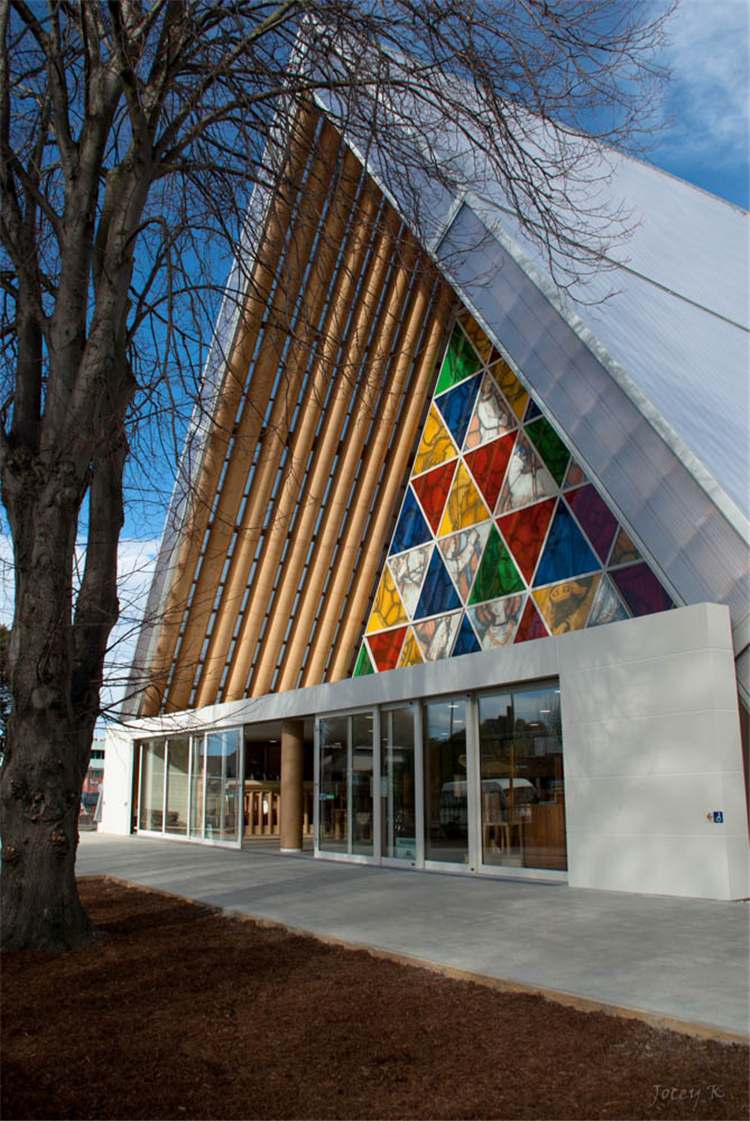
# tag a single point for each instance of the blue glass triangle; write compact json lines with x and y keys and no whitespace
{"x":438,"y":594}
{"x":466,"y":642}
{"x":457,"y":406}
{"x":412,"y":529}
{"x":532,"y":411}
{"x":566,"y":553}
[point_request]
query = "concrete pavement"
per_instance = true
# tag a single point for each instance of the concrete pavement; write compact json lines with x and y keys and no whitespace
{"x":672,"y":958}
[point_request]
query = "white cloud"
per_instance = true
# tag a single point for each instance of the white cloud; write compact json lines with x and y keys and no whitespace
{"x":707,"y":98}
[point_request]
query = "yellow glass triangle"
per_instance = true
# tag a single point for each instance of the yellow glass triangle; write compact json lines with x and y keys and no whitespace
{"x":388,"y":610}
{"x":479,"y":340}
{"x":410,"y":653}
{"x":436,"y":445}
{"x":465,"y":505}
{"x":514,"y":392}
{"x":566,"y":606}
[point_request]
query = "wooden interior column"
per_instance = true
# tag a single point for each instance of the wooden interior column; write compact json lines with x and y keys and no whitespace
{"x":292,"y":769}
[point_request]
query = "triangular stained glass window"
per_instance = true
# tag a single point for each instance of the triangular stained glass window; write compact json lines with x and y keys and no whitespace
{"x":607,"y":607}
{"x":438,"y":594}
{"x":532,"y":411}
{"x":436,"y":636}
{"x":411,"y":655}
{"x":513,"y":391}
{"x":598,"y":521}
{"x":412,"y":529}
{"x":436,"y":445}
{"x":531,"y":625}
{"x":408,"y":571}
{"x":566,"y":553}
{"x":623,"y":550}
{"x":460,"y":362}
{"x":565,"y":607}
{"x":388,"y":610}
{"x":456,"y":407}
{"x":465,"y":506}
{"x":432,"y":490}
{"x":363,"y":665}
{"x":386,"y":647}
{"x":479,"y":340}
{"x":575,"y":476}
{"x":524,"y":532}
{"x":497,"y":575}
{"x":467,"y":642}
{"x":641,"y":590}
{"x":551,"y":448}
{"x":495,"y":622}
{"x":488,"y":465}
{"x":462,"y":553}
{"x":493,"y":416}
{"x":526,"y":480}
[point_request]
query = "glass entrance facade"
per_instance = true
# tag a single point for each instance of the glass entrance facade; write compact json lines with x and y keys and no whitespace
{"x":191,"y":787}
{"x":472,"y":782}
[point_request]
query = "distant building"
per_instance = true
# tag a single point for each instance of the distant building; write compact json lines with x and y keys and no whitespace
{"x":477,"y":573}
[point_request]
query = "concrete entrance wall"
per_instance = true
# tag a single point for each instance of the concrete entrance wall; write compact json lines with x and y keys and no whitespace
{"x":654,"y":783}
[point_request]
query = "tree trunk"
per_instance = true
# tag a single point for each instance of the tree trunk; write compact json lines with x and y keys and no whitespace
{"x":48,"y":741}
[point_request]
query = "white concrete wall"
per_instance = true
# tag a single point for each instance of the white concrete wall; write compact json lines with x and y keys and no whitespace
{"x":118,"y":781}
{"x":651,"y":746}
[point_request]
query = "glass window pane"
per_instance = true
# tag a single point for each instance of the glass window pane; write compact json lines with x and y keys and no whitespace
{"x":333,"y":785}
{"x":446,"y":804}
{"x":361,"y":756}
{"x":196,"y":786}
{"x":177,"y":784}
{"x":222,"y":785}
{"x":397,"y":785}
{"x":152,"y":786}
{"x":521,"y":767}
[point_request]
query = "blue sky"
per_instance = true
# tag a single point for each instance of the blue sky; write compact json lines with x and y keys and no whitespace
{"x":705,"y":138}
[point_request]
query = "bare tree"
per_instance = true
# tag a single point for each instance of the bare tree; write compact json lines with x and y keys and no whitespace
{"x":131,"y":132}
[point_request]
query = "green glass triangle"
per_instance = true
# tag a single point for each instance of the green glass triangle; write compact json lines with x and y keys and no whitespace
{"x":460,"y":362}
{"x":550,"y":447}
{"x":497,"y":574}
{"x":363,"y":665}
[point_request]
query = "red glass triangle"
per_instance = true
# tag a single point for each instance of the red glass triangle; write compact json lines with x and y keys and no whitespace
{"x":524,"y":532}
{"x":385,"y":647}
{"x":531,"y":626}
{"x":488,"y":464}
{"x":432,"y":490}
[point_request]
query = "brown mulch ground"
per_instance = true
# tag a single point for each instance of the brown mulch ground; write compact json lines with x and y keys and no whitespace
{"x":178,"y":1012}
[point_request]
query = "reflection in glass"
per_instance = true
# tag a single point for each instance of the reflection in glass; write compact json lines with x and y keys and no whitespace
{"x":362,"y":754}
{"x":446,"y":808}
{"x":333,"y":836}
{"x":222,"y":785}
{"x":521,"y":768}
{"x":178,"y":752}
{"x":152,"y":786}
{"x":397,"y":785}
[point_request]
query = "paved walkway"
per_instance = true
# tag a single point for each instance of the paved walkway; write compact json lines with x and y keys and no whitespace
{"x":683,"y":959}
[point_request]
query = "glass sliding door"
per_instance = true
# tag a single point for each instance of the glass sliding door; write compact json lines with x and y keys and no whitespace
{"x":361,"y":756}
{"x":345,"y":784}
{"x":446,"y":808}
{"x":521,"y":779}
{"x":178,"y":768}
{"x":197,"y":786}
{"x":151,"y":816}
{"x":397,"y":803}
{"x":222,"y":807}
{"x":333,"y":798}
